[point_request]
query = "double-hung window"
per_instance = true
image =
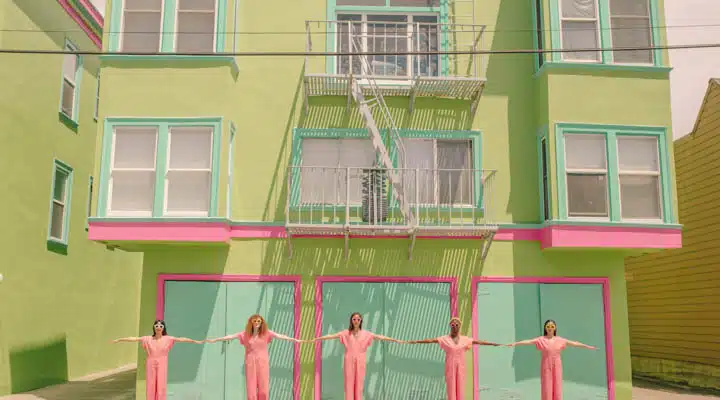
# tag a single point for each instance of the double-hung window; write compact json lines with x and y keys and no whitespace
{"x":141,"y":25}
{"x":195,"y":27}
{"x":580,"y":23}
{"x":60,"y":202}
{"x":586,"y":176}
{"x":639,"y":177}
{"x":71,"y":73}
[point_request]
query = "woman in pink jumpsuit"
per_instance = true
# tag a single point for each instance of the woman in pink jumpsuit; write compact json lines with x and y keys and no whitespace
{"x":255,"y":338}
{"x":455,"y":345}
{"x":157,"y":347}
{"x":551,"y":347}
{"x":356,"y":342}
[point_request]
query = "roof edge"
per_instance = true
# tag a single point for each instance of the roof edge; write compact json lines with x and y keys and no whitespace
{"x":713,"y":84}
{"x":87,"y":17}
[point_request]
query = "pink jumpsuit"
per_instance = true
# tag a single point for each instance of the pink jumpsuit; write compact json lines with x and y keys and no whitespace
{"x":455,"y":365}
{"x":551,"y":366}
{"x":156,"y":366}
{"x":354,"y":362}
{"x":257,"y":365}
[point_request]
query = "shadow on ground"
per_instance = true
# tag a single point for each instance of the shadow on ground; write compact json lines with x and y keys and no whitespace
{"x":644,"y":388}
{"x":120,"y":386}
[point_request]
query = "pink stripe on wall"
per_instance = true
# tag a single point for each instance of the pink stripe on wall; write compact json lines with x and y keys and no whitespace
{"x":605,"y":282}
{"x":294,"y":279}
{"x":610,"y":237}
{"x":83,"y":25}
{"x":319,"y":281}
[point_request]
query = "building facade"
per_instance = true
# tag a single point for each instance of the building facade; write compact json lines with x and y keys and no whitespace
{"x":672,"y":294}
{"x":502,"y":188}
{"x":62,"y":297}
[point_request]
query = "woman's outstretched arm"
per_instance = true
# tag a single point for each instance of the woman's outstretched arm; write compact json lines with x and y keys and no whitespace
{"x":424,"y":341}
{"x":283,"y":337}
{"x":128,"y":339}
{"x":328,"y":337}
{"x":582,"y":345}
{"x":484,"y":343}
{"x":188,"y":340}
{"x":222,"y":339}
{"x":522,"y":343}
{"x":386,"y":339}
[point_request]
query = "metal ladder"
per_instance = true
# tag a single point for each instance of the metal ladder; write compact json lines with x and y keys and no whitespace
{"x":365,"y":106}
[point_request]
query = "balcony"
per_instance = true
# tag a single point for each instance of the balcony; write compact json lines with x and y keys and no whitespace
{"x":363,"y":202}
{"x":450,"y":76}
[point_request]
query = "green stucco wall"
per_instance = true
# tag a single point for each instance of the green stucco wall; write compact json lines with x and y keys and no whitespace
{"x":57,"y":311}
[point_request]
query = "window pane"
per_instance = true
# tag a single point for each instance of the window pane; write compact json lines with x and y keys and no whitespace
{"x":60,"y":184}
{"x":455,"y":175}
{"x":638,"y":154}
{"x":188,"y":191}
{"x":415,"y":3}
{"x":206,"y":5}
{"x":132,"y":191}
{"x":141,"y":31}
{"x":347,"y":34}
{"x":68,"y":98}
{"x":320,"y":184}
{"x":585,"y":151}
{"x":57,"y":221}
{"x":636,"y":8}
{"x":420,"y":163}
{"x":388,"y":37}
{"x":632,"y":33}
{"x":191,"y":148}
{"x":360,"y":2}
{"x":578,"y":8}
{"x":580,"y":35}
{"x":640,"y":197}
{"x":587,"y":195}
{"x":427,"y":38}
{"x":355,"y":153}
{"x":146,"y":5}
{"x":69,"y":66}
{"x":134,"y":147}
{"x":196,"y":32}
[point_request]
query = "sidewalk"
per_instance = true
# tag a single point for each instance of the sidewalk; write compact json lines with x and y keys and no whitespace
{"x":644,"y":390}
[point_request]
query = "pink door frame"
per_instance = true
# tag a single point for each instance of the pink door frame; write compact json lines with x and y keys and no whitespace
{"x":605,"y":282}
{"x":294,"y":279}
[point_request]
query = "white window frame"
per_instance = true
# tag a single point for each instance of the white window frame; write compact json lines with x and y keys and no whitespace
{"x":121,"y":39}
{"x":657,"y":174}
{"x":63,"y":203}
{"x":650,"y":32}
{"x":168,"y":170}
{"x":214,"y":30}
{"x":598,"y":37}
{"x":112,"y":170}
{"x":587,"y":171}
{"x":396,"y":79}
{"x":72,"y":81}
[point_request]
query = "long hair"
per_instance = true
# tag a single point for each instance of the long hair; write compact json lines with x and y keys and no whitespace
{"x":350,"y":326}
{"x":249,"y":327}
{"x":164,"y":332}
{"x":545,"y":332}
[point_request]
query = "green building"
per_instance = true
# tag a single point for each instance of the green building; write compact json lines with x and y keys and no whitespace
{"x":505,"y":189}
{"x":63,"y":297}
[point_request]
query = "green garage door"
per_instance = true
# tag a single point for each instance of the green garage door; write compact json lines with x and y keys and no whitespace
{"x":404,"y":311}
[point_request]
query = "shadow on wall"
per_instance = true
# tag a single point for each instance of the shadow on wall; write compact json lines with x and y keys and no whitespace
{"x":39,"y":365}
{"x":116,"y":387}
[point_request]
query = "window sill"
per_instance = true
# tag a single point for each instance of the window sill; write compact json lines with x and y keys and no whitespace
{"x":606,"y":223}
{"x":57,"y":246}
{"x":572,"y":67}
{"x":67,"y":121}
{"x":160,"y":59}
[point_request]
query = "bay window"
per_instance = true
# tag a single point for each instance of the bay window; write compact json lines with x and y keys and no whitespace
{"x":639,"y":176}
{"x":586,"y":175}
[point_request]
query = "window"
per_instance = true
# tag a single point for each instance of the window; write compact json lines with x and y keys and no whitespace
{"x":195,"y":26}
{"x":639,"y":176}
{"x":90,"y":198}
{"x":97,"y":96}
{"x":631,"y":27}
{"x":540,"y":31}
{"x":439,"y":171}
{"x":161,"y":168}
{"x":545,"y":179}
{"x":580,"y":24}
{"x":141,"y":25}
{"x":586,"y":169}
{"x":70,"y":83}
{"x":60,"y":202}
{"x":231,"y":168}
{"x":324,"y":169}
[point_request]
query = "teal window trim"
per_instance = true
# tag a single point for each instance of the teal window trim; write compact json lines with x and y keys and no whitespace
{"x":91,"y":183}
{"x":443,"y":12}
{"x":300,"y":134}
{"x":167,"y":28}
{"x":163,"y":126}
{"x":476,"y":139}
{"x":59,"y":166}
{"x":72,"y":119}
{"x":97,"y":96}
{"x":611,"y":133}
{"x":543,"y":142}
{"x":605,"y":34}
{"x":538,"y":33}
{"x":231,"y":168}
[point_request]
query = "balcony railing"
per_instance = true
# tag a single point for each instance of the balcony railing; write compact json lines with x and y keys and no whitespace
{"x":361,"y":200}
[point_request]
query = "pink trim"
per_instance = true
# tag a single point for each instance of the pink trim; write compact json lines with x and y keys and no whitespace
{"x":605,"y":282}
{"x":319,"y":281}
{"x":83,"y":25}
{"x":93,"y":12}
{"x":294,"y":279}
{"x":611,"y":237}
{"x":159,"y":231}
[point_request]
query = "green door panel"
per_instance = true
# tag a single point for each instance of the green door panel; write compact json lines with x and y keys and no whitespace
{"x":279,"y":300}
{"x":339,"y":301}
{"x":579,"y":313}
{"x":508,"y":312}
{"x":195,"y":310}
{"x":415,"y":311}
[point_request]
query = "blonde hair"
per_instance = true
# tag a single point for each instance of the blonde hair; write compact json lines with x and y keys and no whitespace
{"x":456,"y":319}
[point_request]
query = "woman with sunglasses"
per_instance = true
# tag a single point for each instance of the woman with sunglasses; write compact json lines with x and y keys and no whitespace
{"x":356,"y":342}
{"x":551,"y":347}
{"x":157,"y":347}
{"x":255,"y":338}
{"x":454,"y":345}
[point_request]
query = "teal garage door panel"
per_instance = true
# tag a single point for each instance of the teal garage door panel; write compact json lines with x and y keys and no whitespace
{"x":508,"y":312}
{"x":195,"y":310}
{"x":275,"y":302}
{"x":415,"y":311}
{"x":579,"y":313}
{"x":339,"y":301}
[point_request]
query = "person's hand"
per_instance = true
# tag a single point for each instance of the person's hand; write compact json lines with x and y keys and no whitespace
{"x":510,"y":345}
{"x":592,"y":347}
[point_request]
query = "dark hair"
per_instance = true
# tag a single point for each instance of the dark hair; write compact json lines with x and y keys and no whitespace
{"x":350,"y":327}
{"x":164,"y":332}
{"x":545,"y":329}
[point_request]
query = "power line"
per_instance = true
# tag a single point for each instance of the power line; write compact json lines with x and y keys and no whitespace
{"x":369,"y":53}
